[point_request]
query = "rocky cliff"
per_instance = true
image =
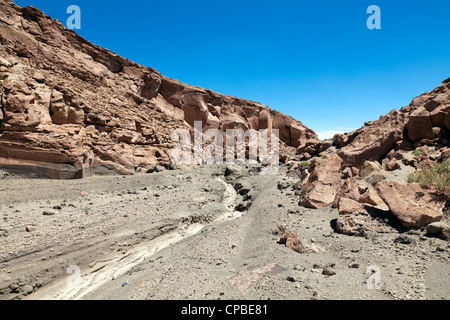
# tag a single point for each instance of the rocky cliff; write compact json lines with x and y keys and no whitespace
{"x":70,"y":108}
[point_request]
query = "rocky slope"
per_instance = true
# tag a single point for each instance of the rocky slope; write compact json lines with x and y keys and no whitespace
{"x":364,"y":173}
{"x":71,"y":109}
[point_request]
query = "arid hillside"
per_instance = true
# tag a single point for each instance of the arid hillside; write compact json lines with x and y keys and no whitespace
{"x":70,"y":108}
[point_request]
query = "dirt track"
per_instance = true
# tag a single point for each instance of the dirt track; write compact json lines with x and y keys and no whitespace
{"x":176,"y":235}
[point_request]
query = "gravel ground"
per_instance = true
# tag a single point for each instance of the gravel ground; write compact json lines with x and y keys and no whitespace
{"x":177,"y":235}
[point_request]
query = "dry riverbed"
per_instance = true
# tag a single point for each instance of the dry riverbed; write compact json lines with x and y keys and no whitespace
{"x":198,"y":234}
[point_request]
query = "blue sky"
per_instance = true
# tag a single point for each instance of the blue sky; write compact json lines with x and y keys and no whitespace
{"x":314,"y":60}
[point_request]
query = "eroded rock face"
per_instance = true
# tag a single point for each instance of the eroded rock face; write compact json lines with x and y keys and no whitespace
{"x":70,"y":108}
{"x":412,"y":204}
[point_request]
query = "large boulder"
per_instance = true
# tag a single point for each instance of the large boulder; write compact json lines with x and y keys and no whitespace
{"x":323,"y":183}
{"x":412,"y":204}
{"x":419,"y":125}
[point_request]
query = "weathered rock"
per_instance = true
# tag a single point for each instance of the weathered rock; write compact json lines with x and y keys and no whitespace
{"x":291,"y":241}
{"x":349,"y":190}
{"x":73,"y":109}
{"x":323,"y":183}
{"x":412,"y":204}
{"x":439,"y":229}
{"x":371,"y":197}
{"x":391,"y":165}
{"x":359,"y":223}
{"x":419,"y":125}
{"x":374,"y":141}
{"x":347,"y":205}
{"x":328,"y":272}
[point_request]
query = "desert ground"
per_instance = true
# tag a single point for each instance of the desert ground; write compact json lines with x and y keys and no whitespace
{"x":209,"y":232}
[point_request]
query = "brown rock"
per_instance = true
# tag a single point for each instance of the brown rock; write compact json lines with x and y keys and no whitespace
{"x":419,"y":125}
{"x":291,"y":240}
{"x":374,"y":141}
{"x":413,"y":205}
{"x":99,"y":113}
{"x":323,"y":183}
{"x":439,"y":229}
{"x":349,"y":190}
{"x":391,"y":165}
{"x":30,"y":228}
{"x":347,"y":205}
{"x":365,"y":220}
{"x":371,"y":197}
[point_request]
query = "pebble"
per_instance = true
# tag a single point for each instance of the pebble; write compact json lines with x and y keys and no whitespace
{"x":328,"y":272}
{"x":30,"y":228}
{"x":290,"y":279}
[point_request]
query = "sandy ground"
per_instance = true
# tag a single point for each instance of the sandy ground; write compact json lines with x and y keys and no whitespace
{"x":176,"y":235}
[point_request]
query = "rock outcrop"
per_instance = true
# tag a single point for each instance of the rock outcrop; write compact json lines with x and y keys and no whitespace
{"x":70,"y":108}
{"x":415,"y":136}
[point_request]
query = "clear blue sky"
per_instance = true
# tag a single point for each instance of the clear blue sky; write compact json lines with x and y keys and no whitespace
{"x":314,"y":60}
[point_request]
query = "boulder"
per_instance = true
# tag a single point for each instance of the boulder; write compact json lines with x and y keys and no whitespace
{"x":371,"y":197}
{"x":412,"y":204}
{"x":323,"y":183}
{"x":419,"y":125}
{"x":375,"y":141}
{"x":439,"y":229}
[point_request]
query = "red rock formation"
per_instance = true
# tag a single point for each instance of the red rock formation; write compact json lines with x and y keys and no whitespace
{"x":413,"y":205}
{"x":70,"y":108}
{"x":426,"y":121}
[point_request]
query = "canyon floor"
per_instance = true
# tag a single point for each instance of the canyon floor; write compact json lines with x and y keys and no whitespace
{"x":177,"y":235}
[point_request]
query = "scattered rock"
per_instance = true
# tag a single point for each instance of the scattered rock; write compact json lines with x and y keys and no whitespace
{"x":328,"y":272}
{"x":290,"y":279}
{"x":403,"y":240}
{"x":30,"y":228}
{"x":291,"y":241}
{"x":439,"y":229}
{"x":49,"y":213}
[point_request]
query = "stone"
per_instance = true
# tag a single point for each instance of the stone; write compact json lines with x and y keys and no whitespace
{"x":328,"y":272}
{"x":27,"y":289}
{"x":48,"y":213}
{"x":412,"y":204}
{"x":371,"y":197}
{"x":403,"y":240}
{"x":291,"y":240}
{"x":375,"y":141}
{"x":323,"y":183}
{"x":30,"y":228}
{"x":436,"y":228}
{"x":419,"y":125}
{"x":439,"y":229}
{"x":392,"y":165}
